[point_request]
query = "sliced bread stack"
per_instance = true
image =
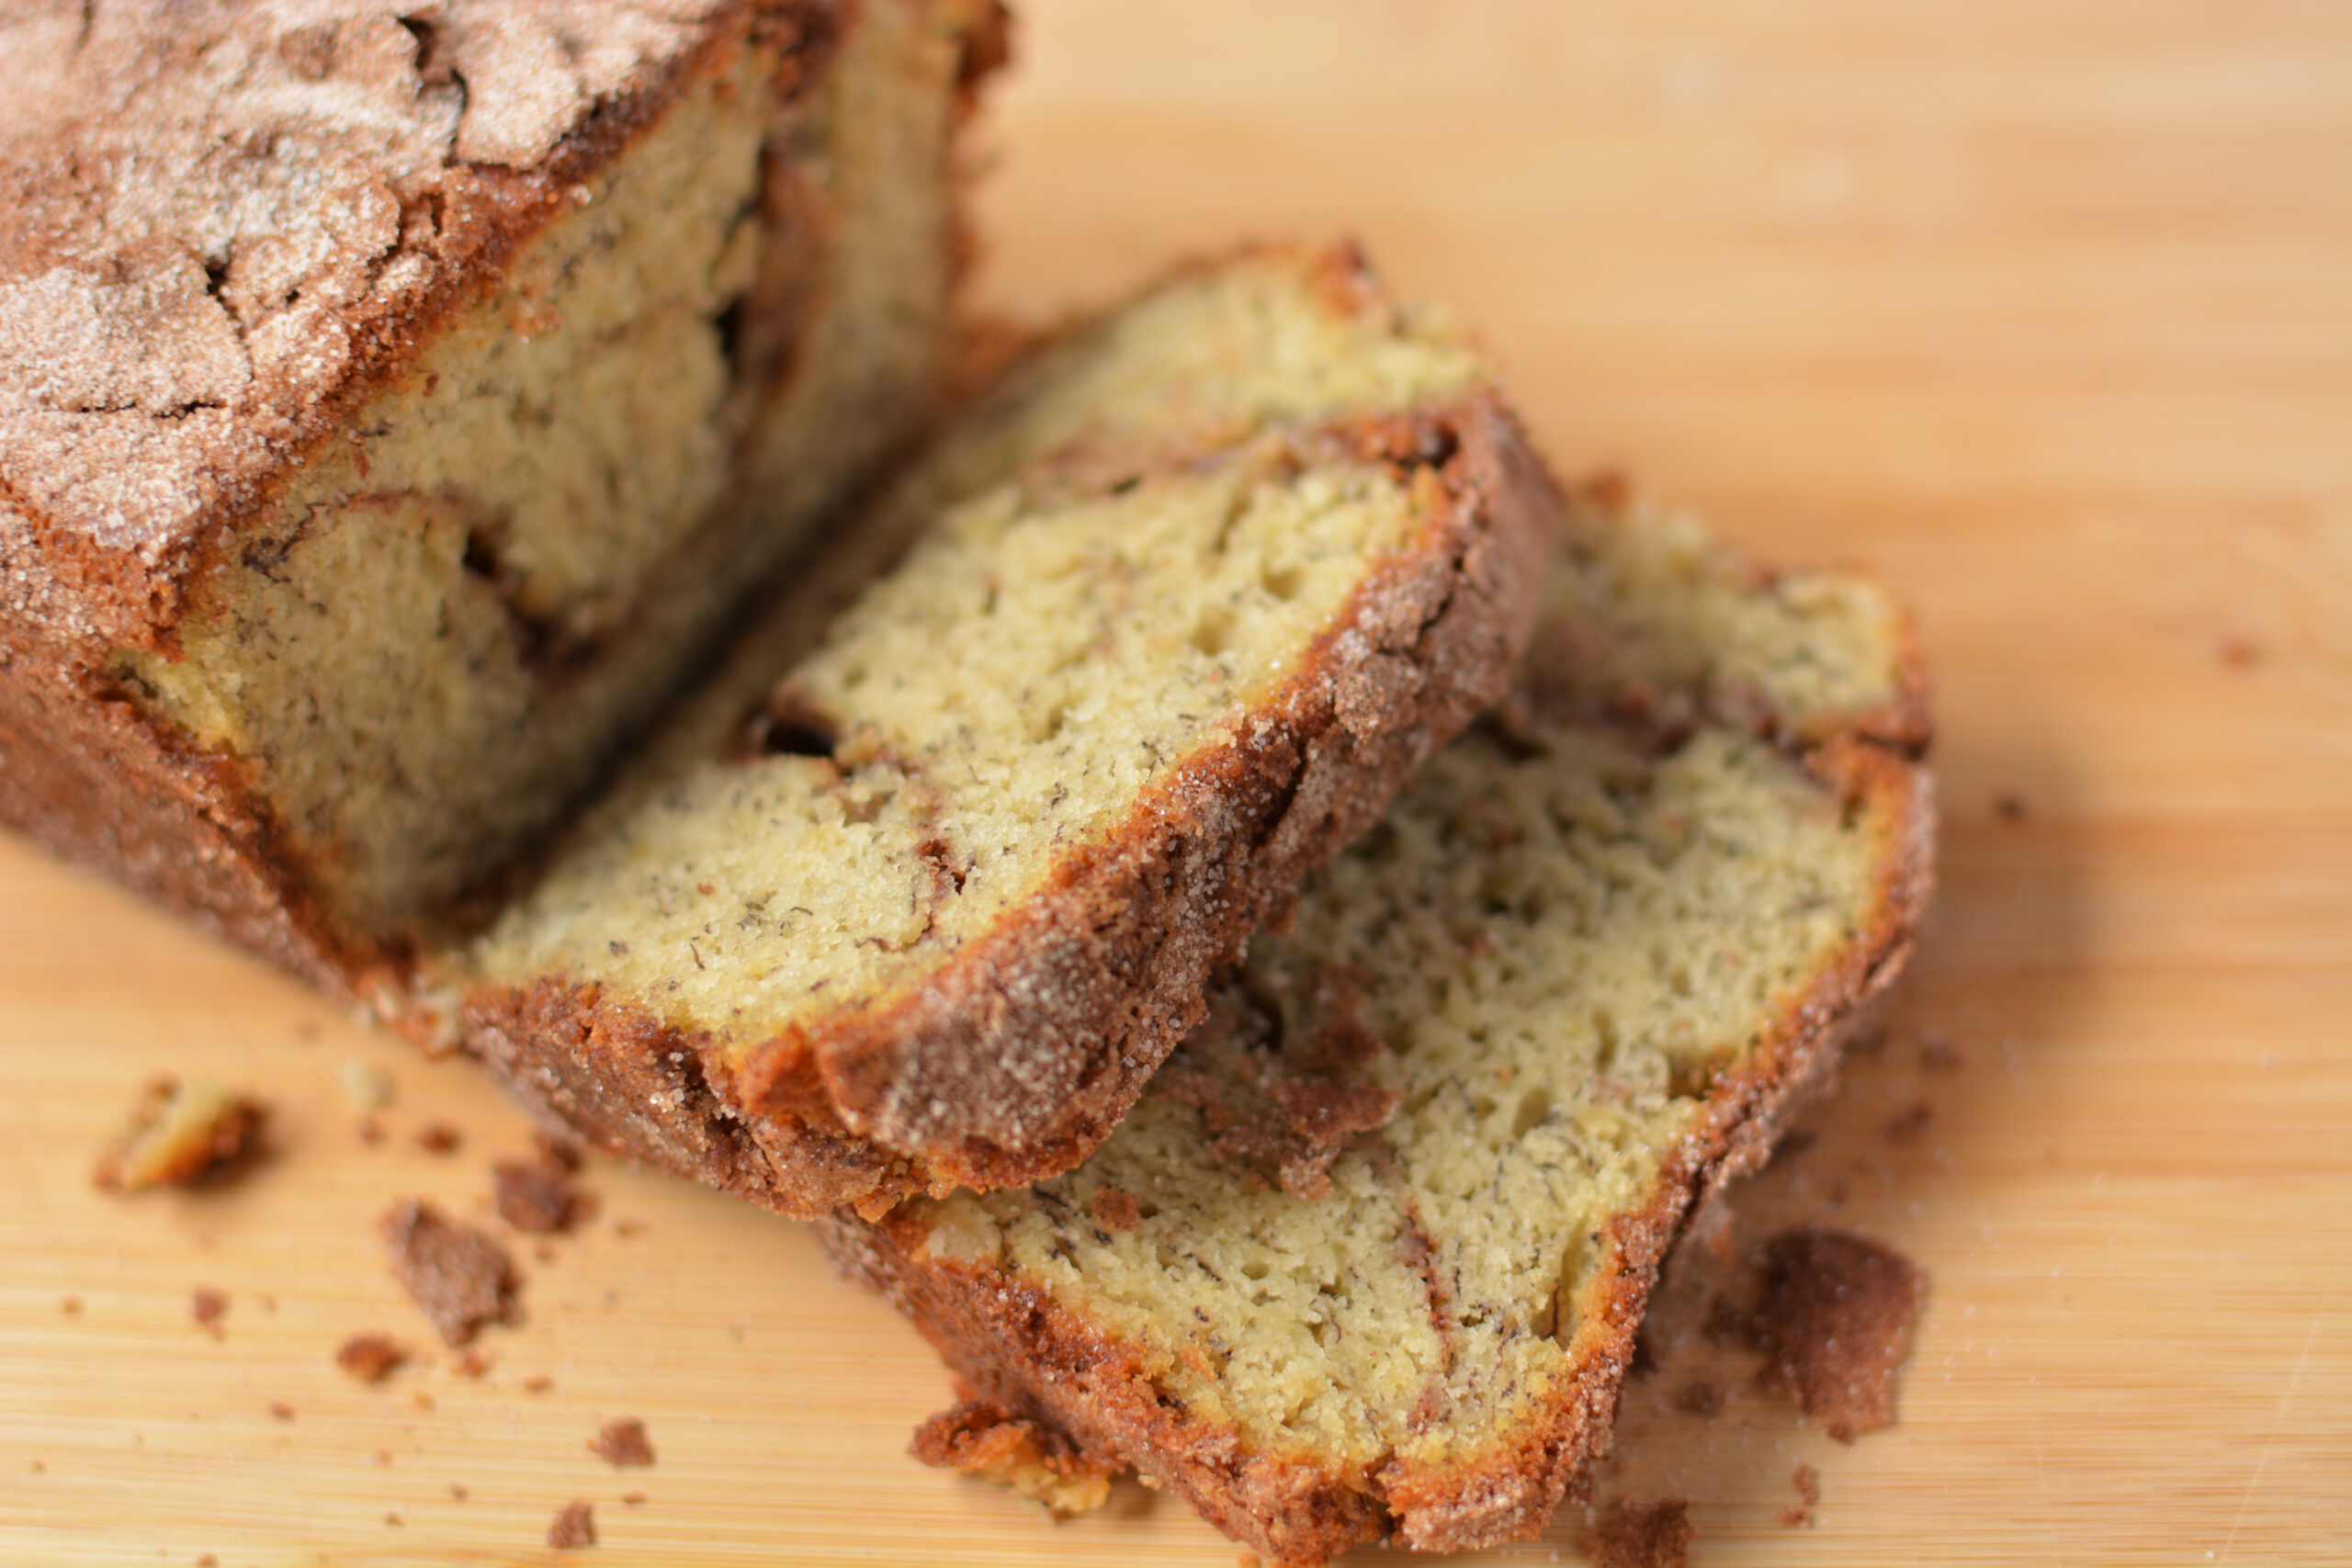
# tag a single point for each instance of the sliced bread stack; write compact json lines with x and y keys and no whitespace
{"x":369,"y":481}
{"x":1369,"y":1257}
{"x":924,"y":886}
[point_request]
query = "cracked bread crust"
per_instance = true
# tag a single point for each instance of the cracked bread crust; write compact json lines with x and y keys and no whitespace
{"x":262,"y":218}
{"x":229,"y":227}
{"x":1020,"y":1054}
{"x":1014,"y":1346}
{"x":255,"y":238}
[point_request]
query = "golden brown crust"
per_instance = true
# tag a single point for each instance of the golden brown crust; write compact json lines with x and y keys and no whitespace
{"x":121,"y":473}
{"x":93,"y":779}
{"x":117,"y":495}
{"x":1020,"y":1054}
{"x":1009,"y":1341}
{"x":170,"y":175}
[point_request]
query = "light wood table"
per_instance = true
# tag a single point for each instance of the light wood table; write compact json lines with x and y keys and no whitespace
{"x":2043,"y":310}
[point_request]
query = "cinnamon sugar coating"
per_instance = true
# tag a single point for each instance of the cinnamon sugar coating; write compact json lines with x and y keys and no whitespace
{"x":395,"y":401}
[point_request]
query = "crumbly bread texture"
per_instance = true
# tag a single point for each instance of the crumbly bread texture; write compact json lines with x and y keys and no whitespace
{"x":1369,"y":1256}
{"x":395,"y":399}
{"x":921,"y":890}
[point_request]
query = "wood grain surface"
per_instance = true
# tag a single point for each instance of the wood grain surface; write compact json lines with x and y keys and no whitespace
{"x":2043,"y":310}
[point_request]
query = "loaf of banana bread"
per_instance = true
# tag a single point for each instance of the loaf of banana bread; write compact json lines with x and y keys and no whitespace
{"x":397,"y":396}
{"x":922,"y":888}
{"x":1369,"y":1257}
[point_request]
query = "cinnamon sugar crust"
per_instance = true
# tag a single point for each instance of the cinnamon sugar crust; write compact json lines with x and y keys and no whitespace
{"x":466,"y":359}
{"x":264,"y":210}
{"x":1409,"y":1386}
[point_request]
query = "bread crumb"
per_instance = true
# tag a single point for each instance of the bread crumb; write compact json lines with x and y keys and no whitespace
{"x":1808,"y":1488}
{"x":2010,"y":807}
{"x":633,"y":1499}
{"x":209,"y":1307}
{"x":1631,"y":1535}
{"x":556,"y":1150}
{"x":458,"y":1491}
{"x":574,"y":1527}
{"x":459,"y":1277}
{"x":207,"y":1561}
{"x":439,"y":1138}
{"x":1907,"y":1126}
{"x":1116,"y":1209}
{"x":471,"y":1363}
{"x":281,"y":1410}
{"x":1835,"y":1320}
{"x":623,"y":1442}
{"x":990,"y":1443}
{"x":536,"y":1195}
{"x":177,"y":1134}
{"x":371,"y":1358}
{"x":538,"y":1382}
{"x":1702,"y":1396}
{"x":371,"y":1130}
{"x":69,"y":1306}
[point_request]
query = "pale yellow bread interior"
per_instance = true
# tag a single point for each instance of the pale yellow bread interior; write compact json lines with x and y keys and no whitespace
{"x":1098,"y":573}
{"x":1531,"y":976}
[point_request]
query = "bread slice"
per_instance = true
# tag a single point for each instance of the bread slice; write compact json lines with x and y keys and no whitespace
{"x":395,"y":400}
{"x":922,"y":889}
{"x":1369,"y":1256}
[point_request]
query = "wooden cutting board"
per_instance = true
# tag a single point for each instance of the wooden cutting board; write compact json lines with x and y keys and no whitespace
{"x":2043,"y":310}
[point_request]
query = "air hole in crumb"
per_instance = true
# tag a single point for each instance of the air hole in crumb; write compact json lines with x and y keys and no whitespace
{"x":1688,"y":1078}
{"x":1563,"y":1294}
{"x":1050,"y":726}
{"x":728,"y":325}
{"x":1213,"y":634}
{"x":481,"y":558}
{"x":1283,"y":582}
{"x":1535,"y":1109}
{"x":787,"y":724}
{"x":1604,"y":1050}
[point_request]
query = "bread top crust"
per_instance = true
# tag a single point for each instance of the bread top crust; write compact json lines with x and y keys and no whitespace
{"x":229,"y":224}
